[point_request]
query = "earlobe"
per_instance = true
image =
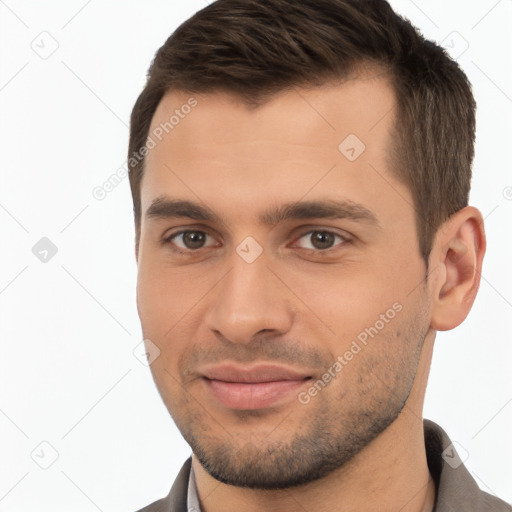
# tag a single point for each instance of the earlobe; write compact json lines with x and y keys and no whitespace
{"x":457,"y":254}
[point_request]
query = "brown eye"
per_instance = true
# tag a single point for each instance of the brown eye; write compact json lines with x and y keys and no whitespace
{"x":193,"y":239}
{"x":320,"y":240}
{"x":190,"y":239}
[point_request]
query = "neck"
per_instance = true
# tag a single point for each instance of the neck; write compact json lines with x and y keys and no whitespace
{"x":390,"y":474}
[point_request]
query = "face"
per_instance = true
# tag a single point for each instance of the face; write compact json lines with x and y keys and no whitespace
{"x":280,"y":277}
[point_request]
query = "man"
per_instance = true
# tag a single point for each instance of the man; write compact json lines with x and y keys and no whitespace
{"x":300,"y":174}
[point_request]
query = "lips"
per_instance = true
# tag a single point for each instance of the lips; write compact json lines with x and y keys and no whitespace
{"x":254,"y":374}
{"x":255,"y":387}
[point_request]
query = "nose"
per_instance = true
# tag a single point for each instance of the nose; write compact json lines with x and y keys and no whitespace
{"x":249,"y":301}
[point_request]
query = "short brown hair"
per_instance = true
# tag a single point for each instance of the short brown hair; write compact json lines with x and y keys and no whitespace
{"x":256,"y":48}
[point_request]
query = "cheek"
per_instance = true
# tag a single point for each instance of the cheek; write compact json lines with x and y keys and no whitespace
{"x":169,"y":302}
{"x":346,"y":300}
{"x":381,"y":357}
{"x":164,"y":295}
{"x":150,"y":301}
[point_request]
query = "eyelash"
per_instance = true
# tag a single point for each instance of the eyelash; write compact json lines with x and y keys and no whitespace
{"x":168,"y":241}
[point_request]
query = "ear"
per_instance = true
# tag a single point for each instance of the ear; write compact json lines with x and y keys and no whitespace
{"x":456,"y":263}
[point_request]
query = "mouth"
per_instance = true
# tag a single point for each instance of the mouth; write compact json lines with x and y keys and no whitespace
{"x":256,"y":387}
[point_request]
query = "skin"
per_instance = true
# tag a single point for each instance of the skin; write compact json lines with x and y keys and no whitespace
{"x":359,"y":441}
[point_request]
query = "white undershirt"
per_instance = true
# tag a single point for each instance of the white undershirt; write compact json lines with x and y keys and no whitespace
{"x":192,"y":497}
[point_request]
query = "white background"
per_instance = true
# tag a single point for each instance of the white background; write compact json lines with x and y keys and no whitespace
{"x":69,"y":326}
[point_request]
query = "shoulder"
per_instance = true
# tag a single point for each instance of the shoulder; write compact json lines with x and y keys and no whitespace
{"x":456,"y":489}
{"x":176,"y":500}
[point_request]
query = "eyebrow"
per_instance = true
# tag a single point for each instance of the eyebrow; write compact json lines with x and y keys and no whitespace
{"x":164,"y":207}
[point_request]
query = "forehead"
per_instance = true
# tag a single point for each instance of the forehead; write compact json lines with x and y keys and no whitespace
{"x":298,"y":116}
{"x":211,"y":147}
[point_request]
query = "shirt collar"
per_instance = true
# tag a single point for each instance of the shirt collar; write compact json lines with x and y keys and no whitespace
{"x":192,"y":496}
